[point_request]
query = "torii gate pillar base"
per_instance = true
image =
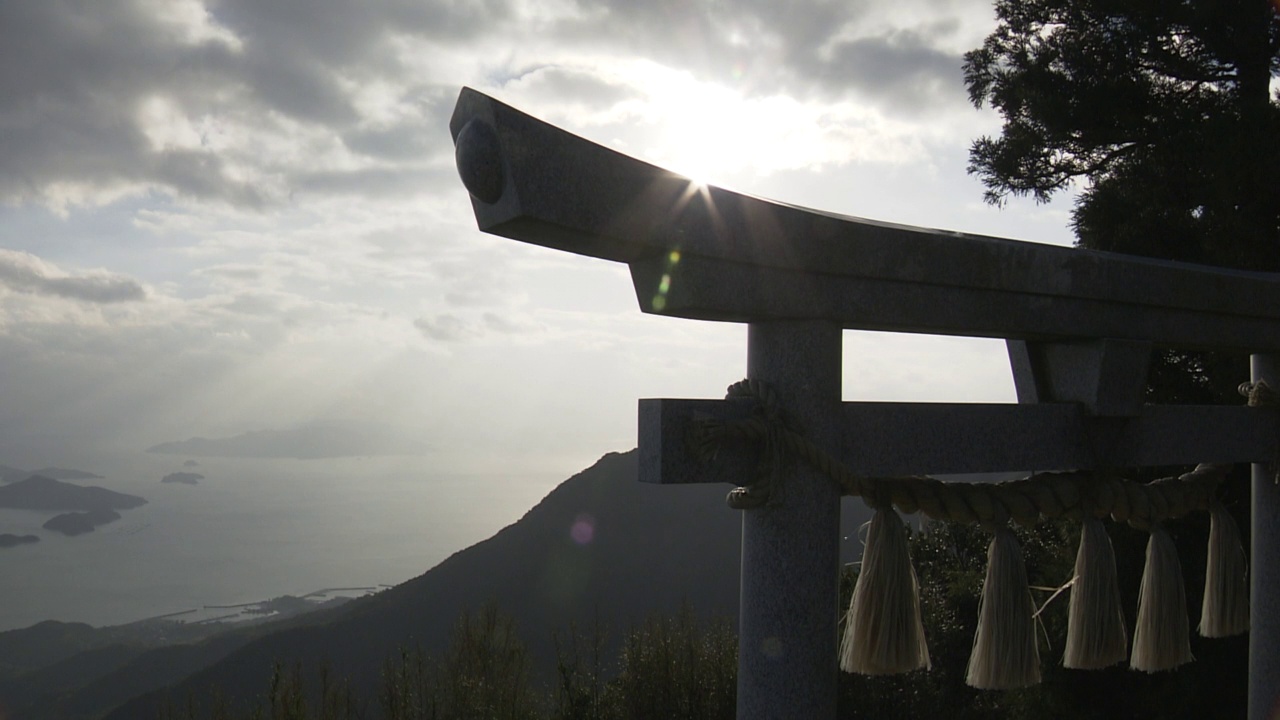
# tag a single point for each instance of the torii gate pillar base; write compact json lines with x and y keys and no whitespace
{"x":1264,"y":591}
{"x":787,"y":639}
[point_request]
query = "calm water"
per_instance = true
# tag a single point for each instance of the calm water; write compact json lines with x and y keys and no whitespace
{"x":252,"y":530}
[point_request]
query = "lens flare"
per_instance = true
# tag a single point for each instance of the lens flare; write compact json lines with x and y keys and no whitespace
{"x":583,"y":530}
{"x":664,"y":285}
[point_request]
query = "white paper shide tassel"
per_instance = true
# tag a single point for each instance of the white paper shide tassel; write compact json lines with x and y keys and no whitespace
{"x":1005,"y":655}
{"x":1096,"y":636}
{"x":1161,"y":639}
{"x":883,"y":632}
{"x":1225,"y":611}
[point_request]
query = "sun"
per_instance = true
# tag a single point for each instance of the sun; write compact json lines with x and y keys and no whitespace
{"x":701,"y":129}
{"x":720,"y":135}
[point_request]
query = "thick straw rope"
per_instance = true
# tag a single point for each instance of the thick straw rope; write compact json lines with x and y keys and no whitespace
{"x":1047,"y":495}
{"x":883,"y":631}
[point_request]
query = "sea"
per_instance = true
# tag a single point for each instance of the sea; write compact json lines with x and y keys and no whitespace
{"x":252,"y":530}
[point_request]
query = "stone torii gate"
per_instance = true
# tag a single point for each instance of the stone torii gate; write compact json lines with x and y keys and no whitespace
{"x":1079,"y":325}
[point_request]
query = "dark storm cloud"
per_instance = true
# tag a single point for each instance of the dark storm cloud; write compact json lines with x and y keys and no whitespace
{"x":23,"y":273}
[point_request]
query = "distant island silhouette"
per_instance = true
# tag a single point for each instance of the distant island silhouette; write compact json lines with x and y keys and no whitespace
{"x":79,"y":523}
{"x":10,"y":474}
{"x":44,"y":493}
{"x":8,"y":540}
{"x":185,"y":478}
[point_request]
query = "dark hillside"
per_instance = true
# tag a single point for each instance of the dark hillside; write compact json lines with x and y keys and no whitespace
{"x":599,"y":544}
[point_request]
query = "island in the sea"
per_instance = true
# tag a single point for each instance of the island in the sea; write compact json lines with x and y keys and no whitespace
{"x":43,"y":493}
{"x":79,"y":523}
{"x":8,"y":540}
{"x":186,"y":478}
{"x":10,"y":474}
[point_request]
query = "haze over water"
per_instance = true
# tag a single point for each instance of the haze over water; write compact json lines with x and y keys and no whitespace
{"x":252,"y":530}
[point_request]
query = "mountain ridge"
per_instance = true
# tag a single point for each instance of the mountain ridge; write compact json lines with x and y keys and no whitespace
{"x":537,"y":570}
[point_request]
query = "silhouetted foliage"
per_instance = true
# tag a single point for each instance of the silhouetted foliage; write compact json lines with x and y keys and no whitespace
{"x":670,"y":667}
{"x":581,"y":674}
{"x":673,"y":669}
{"x":1163,"y":108}
{"x":484,"y":675}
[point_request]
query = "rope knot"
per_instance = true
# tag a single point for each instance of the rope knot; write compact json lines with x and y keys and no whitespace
{"x":1259,"y":394}
{"x":770,"y":424}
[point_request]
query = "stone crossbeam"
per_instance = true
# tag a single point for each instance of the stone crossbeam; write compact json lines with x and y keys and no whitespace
{"x":894,"y":439}
{"x":707,"y":253}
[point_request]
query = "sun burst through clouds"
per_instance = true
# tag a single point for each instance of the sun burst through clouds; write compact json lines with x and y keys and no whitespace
{"x":717,"y":135}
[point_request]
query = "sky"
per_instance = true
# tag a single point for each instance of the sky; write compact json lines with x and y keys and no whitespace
{"x":234,"y":228}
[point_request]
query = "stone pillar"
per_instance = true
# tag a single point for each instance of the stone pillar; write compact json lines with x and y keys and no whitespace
{"x":787,"y":664}
{"x":1264,"y":568}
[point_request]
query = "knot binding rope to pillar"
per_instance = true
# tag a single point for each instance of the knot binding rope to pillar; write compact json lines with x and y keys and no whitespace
{"x":1005,"y":653}
{"x":769,"y":426}
{"x":1260,"y":394}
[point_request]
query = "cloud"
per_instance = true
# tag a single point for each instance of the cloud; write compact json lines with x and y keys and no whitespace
{"x":307,"y":442}
{"x":228,"y":102}
{"x":380,"y":182}
{"x":73,"y":93}
{"x":451,"y":328}
{"x":24,"y":272}
{"x":243,"y":103}
{"x":232,"y":273}
{"x":904,"y":67}
{"x":504,"y":325}
{"x":814,"y":50}
{"x":577,"y":91}
{"x":446,"y":327}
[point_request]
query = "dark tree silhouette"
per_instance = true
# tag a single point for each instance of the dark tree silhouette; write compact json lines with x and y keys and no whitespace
{"x":1162,"y":108}
{"x":1163,"y":112}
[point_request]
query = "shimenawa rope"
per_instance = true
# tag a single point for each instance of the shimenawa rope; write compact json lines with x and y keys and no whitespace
{"x":883,"y":632}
